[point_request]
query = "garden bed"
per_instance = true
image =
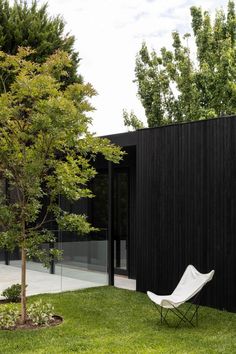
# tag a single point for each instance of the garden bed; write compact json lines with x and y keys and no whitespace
{"x":56,"y":320}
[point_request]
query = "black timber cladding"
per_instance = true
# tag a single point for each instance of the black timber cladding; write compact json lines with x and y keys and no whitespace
{"x":186,"y":206}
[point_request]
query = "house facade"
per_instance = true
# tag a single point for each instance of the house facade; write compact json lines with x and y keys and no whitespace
{"x":171,"y":202}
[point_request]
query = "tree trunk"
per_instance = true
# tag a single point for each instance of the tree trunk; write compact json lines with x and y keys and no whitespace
{"x":23,"y":285}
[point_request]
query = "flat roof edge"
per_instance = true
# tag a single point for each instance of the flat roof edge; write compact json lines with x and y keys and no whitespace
{"x":131,"y":138}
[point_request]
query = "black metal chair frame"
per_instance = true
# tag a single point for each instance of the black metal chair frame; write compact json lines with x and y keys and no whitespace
{"x":180,"y":314}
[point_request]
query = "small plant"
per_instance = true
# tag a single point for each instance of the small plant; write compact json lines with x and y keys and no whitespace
{"x":40,"y":313}
{"x":9,"y":315}
{"x":12,"y":293}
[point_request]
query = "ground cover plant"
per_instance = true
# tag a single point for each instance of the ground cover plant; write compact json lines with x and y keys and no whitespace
{"x":110,"y":320}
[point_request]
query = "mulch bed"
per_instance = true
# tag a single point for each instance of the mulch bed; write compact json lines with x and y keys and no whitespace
{"x":56,"y":320}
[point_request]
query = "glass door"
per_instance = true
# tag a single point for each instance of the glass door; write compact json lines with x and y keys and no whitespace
{"x":99,"y":213}
{"x":121,"y":220}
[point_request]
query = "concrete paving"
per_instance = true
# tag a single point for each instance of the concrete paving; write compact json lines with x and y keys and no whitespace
{"x":124,"y":283}
{"x":68,"y":271}
{"x":40,"y":282}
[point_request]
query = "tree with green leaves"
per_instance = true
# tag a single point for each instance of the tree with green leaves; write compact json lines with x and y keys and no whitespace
{"x":46,"y":151}
{"x":131,"y":120}
{"x":176,"y":86}
{"x":30,"y":26}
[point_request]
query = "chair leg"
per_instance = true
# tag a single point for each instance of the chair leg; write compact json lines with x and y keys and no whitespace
{"x":162,"y":316}
{"x":183,"y":316}
{"x":197,"y":306}
{"x":180,"y":314}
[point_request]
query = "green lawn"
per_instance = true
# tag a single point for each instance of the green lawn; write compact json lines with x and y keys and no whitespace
{"x":110,"y":320}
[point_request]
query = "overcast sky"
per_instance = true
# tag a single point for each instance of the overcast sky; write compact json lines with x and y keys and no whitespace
{"x":109,"y":33}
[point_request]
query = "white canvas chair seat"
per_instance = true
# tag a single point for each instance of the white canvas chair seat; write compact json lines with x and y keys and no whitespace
{"x":188,"y":287}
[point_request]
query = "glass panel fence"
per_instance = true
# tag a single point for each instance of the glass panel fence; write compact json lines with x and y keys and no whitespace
{"x":84,"y":259}
{"x":83,"y":263}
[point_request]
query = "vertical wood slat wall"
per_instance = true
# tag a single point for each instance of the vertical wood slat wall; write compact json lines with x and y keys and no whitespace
{"x":186,"y":207}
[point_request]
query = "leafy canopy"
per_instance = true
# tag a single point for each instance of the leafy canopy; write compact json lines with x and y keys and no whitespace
{"x":46,"y":150}
{"x":176,"y":86}
{"x":29,"y":25}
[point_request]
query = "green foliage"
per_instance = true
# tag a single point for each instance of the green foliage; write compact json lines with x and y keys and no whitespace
{"x":9,"y":314}
{"x":46,"y":151}
{"x":174,"y":86}
{"x":29,"y":25}
{"x":40,"y":313}
{"x":12,"y":293}
{"x":132,"y":121}
{"x":78,"y":222}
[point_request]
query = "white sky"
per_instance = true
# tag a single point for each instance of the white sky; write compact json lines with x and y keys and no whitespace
{"x":109,"y":33}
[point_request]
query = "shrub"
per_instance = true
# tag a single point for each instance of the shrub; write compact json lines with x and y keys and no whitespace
{"x":9,"y":315}
{"x":40,"y":313}
{"x":12,"y":293}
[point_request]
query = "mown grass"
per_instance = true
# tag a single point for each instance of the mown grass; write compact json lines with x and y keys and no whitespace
{"x":109,"y":320}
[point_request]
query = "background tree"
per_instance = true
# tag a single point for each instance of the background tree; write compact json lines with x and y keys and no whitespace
{"x":175,"y":86}
{"x":30,"y":26}
{"x":131,"y":121}
{"x":45,"y":151}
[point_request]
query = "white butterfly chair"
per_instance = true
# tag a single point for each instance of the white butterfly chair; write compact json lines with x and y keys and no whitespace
{"x":188,"y":288}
